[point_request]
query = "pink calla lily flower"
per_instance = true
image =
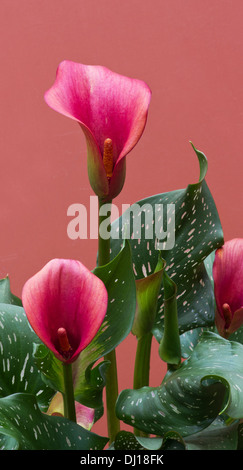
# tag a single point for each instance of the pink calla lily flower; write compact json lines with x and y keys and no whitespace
{"x":228,"y":286}
{"x":112,"y":112}
{"x":85,"y":416}
{"x":65,"y":304}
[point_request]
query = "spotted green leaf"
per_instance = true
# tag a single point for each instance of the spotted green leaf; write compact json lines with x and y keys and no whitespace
{"x":18,"y":372}
{"x":218,"y":436}
{"x":196,"y":232}
{"x":191,"y":398}
{"x":125,"y":440}
{"x":24,"y":427}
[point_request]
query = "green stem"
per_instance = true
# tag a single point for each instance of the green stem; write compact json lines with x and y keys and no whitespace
{"x":68,"y":396}
{"x":142,"y":366}
{"x":103,"y":243}
{"x":113,"y":423}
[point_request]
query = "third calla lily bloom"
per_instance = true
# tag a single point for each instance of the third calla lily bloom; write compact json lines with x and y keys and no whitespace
{"x":112,"y":112}
{"x":65,"y":304}
{"x":228,"y":286}
{"x":85,"y":415}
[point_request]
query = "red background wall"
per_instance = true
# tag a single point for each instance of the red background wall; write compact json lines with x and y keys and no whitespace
{"x":189,"y":53}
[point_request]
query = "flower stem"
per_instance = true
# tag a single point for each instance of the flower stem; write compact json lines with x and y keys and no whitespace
{"x":103,"y":239}
{"x":113,"y":423}
{"x":142,"y":366}
{"x":68,"y":396}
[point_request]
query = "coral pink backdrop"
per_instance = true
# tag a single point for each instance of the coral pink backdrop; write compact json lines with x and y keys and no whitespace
{"x":189,"y":53}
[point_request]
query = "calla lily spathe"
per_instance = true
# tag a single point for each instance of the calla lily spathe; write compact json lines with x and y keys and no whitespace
{"x":85,"y":416}
{"x":228,"y":286}
{"x":112,"y":112}
{"x":65,"y":304}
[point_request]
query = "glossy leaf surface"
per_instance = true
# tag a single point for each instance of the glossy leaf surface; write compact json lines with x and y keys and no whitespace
{"x":29,"y":429}
{"x":191,"y":398}
{"x":197,"y":233}
{"x":18,"y":372}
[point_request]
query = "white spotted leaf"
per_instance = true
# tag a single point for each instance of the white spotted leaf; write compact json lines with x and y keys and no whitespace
{"x":24,"y":427}
{"x":209,"y":383}
{"x":18,"y":372}
{"x":218,"y":436}
{"x":197,"y":233}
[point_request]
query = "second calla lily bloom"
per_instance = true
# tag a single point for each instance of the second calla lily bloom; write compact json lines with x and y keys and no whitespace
{"x":228,"y":286}
{"x":65,"y":304}
{"x":112,"y":112}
